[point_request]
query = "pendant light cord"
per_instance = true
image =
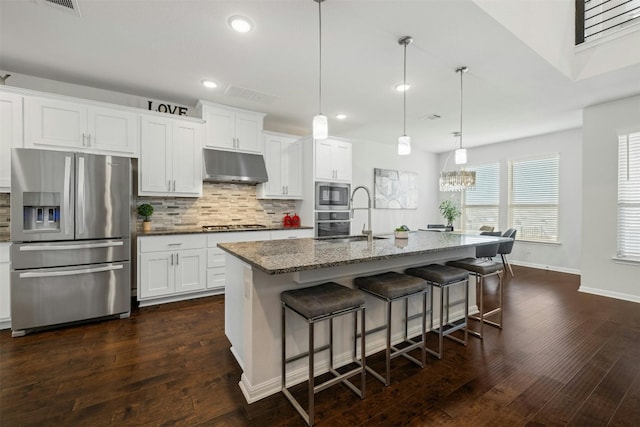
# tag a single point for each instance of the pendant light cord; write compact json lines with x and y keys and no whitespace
{"x":404,"y":94}
{"x":319,"y":56}
{"x":461,"y":70}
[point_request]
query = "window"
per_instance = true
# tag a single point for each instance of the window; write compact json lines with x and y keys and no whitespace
{"x":480,"y":205}
{"x":533,"y":198}
{"x":629,"y":195}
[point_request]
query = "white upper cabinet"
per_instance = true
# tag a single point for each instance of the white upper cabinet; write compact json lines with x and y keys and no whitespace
{"x":10,"y":134}
{"x":333,"y":160}
{"x":283,"y":158}
{"x":232,"y":129}
{"x":62,"y":124}
{"x":170,"y":157}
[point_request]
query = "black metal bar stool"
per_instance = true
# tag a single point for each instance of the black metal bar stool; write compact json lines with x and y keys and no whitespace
{"x":389,"y":287}
{"x":315,"y":304}
{"x":482,"y":267}
{"x":444,"y":277}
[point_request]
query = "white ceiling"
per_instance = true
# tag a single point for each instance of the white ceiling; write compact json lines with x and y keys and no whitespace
{"x":163,"y":49}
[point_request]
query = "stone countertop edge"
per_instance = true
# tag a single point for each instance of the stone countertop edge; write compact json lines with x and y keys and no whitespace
{"x":253,"y":253}
{"x":199,"y":230}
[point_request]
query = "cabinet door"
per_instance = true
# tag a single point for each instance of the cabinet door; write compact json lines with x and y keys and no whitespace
{"x":341,"y":160}
{"x":190,"y":270}
{"x":155,"y":176}
{"x":248,"y":132}
{"x":49,"y":122}
{"x":10,"y":134}
{"x":273,"y":160}
{"x":187,"y":159}
{"x":113,"y":131}
{"x":157,"y":275}
{"x":292,"y":169}
{"x":324,"y":167}
{"x":220,"y":128}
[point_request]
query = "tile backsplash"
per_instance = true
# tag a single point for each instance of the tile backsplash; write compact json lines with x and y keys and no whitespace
{"x":5,"y":213}
{"x":221,"y":203}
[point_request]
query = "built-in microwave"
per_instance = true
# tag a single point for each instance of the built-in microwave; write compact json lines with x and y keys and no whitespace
{"x":332,"y":195}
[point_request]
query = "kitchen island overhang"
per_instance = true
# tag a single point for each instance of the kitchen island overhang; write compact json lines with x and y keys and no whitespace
{"x":257,"y":273}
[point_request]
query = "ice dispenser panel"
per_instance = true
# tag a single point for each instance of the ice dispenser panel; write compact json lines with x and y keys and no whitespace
{"x":41,"y":211}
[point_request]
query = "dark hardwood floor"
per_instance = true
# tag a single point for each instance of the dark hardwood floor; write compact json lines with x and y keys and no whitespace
{"x":563,"y":358}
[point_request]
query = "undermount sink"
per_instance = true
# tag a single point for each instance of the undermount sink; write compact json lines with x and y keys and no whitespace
{"x":347,"y":239}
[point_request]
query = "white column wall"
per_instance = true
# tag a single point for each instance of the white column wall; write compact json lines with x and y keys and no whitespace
{"x":601,"y":274}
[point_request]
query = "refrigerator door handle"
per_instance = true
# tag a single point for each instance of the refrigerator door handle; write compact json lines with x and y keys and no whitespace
{"x":81,"y":195}
{"x":35,"y":248}
{"x":67,"y":196}
{"x":33,"y":275}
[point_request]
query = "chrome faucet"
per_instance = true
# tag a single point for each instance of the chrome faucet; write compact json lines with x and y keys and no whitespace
{"x":368,"y":232}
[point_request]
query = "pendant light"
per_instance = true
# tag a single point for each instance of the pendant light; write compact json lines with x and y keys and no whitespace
{"x":461,"y":153}
{"x":320,"y":124}
{"x":404,"y":142}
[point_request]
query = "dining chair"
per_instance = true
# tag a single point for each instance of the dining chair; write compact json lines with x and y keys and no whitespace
{"x":505,"y":248}
{"x":486,"y":228}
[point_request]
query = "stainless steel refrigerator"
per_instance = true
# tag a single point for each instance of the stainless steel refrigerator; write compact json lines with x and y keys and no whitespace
{"x":70,"y":257}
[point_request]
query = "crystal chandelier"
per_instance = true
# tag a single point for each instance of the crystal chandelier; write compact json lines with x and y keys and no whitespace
{"x":457,"y":180}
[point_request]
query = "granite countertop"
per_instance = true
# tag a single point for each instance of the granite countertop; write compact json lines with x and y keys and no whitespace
{"x":288,"y":256}
{"x":200,"y":230}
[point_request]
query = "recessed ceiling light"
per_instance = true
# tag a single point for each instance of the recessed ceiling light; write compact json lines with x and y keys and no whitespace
{"x":403,"y":87}
{"x":209,"y":84}
{"x":241,"y":24}
{"x":341,"y":116}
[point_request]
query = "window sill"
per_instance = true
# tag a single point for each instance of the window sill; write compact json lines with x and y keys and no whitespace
{"x":539,"y":242}
{"x":628,"y":261}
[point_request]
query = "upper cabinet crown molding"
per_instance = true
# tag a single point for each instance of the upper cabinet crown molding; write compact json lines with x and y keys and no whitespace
{"x":231,"y":128}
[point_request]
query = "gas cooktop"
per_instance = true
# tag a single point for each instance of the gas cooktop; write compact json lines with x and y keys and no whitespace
{"x":233,"y":227}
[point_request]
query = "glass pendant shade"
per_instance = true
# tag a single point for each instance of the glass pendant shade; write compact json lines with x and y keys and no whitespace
{"x":404,"y":145}
{"x":461,"y":156}
{"x":320,"y":127}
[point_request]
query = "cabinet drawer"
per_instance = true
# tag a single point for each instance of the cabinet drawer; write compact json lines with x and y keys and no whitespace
{"x":215,"y":278}
{"x":171,"y":243}
{"x":215,"y":258}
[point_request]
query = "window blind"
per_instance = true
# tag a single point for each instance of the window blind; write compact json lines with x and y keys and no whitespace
{"x":533,"y":198}
{"x":629,"y":195}
{"x":480,"y":205}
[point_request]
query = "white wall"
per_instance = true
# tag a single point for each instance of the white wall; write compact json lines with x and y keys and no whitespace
{"x":369,"y":155}
{"x":564,"y":256}
{"x":601,"y":274}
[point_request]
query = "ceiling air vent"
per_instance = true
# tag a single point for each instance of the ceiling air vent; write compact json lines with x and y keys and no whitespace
{"x":70,"y":6}
{"x":250,"y":95}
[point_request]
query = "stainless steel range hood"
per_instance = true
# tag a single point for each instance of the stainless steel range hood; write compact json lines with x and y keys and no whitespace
{"x":230,"y":166}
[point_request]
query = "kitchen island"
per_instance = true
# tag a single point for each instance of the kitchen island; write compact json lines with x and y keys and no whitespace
{"x":257,"y":272}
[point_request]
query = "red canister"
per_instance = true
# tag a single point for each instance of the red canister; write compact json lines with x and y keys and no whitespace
{"x":295,"y":220}
{"x":287,"y":220}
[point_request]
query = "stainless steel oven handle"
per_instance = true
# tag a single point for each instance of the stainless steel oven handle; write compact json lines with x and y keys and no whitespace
{"x":69,"y":247}
{"x":34,"y":275}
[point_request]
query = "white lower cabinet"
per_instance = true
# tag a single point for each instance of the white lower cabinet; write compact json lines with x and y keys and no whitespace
{"x":171,"y":268}
{"x":184,"y":266}
{"x":5,"y":288}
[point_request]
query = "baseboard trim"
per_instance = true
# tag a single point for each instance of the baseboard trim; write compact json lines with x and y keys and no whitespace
{"x":609,"y":294}
{"x":546,"y":267}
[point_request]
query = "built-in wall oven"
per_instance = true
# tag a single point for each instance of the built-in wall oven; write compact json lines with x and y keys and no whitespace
{"x":330,"y":224}
{"x":332,"y":196}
